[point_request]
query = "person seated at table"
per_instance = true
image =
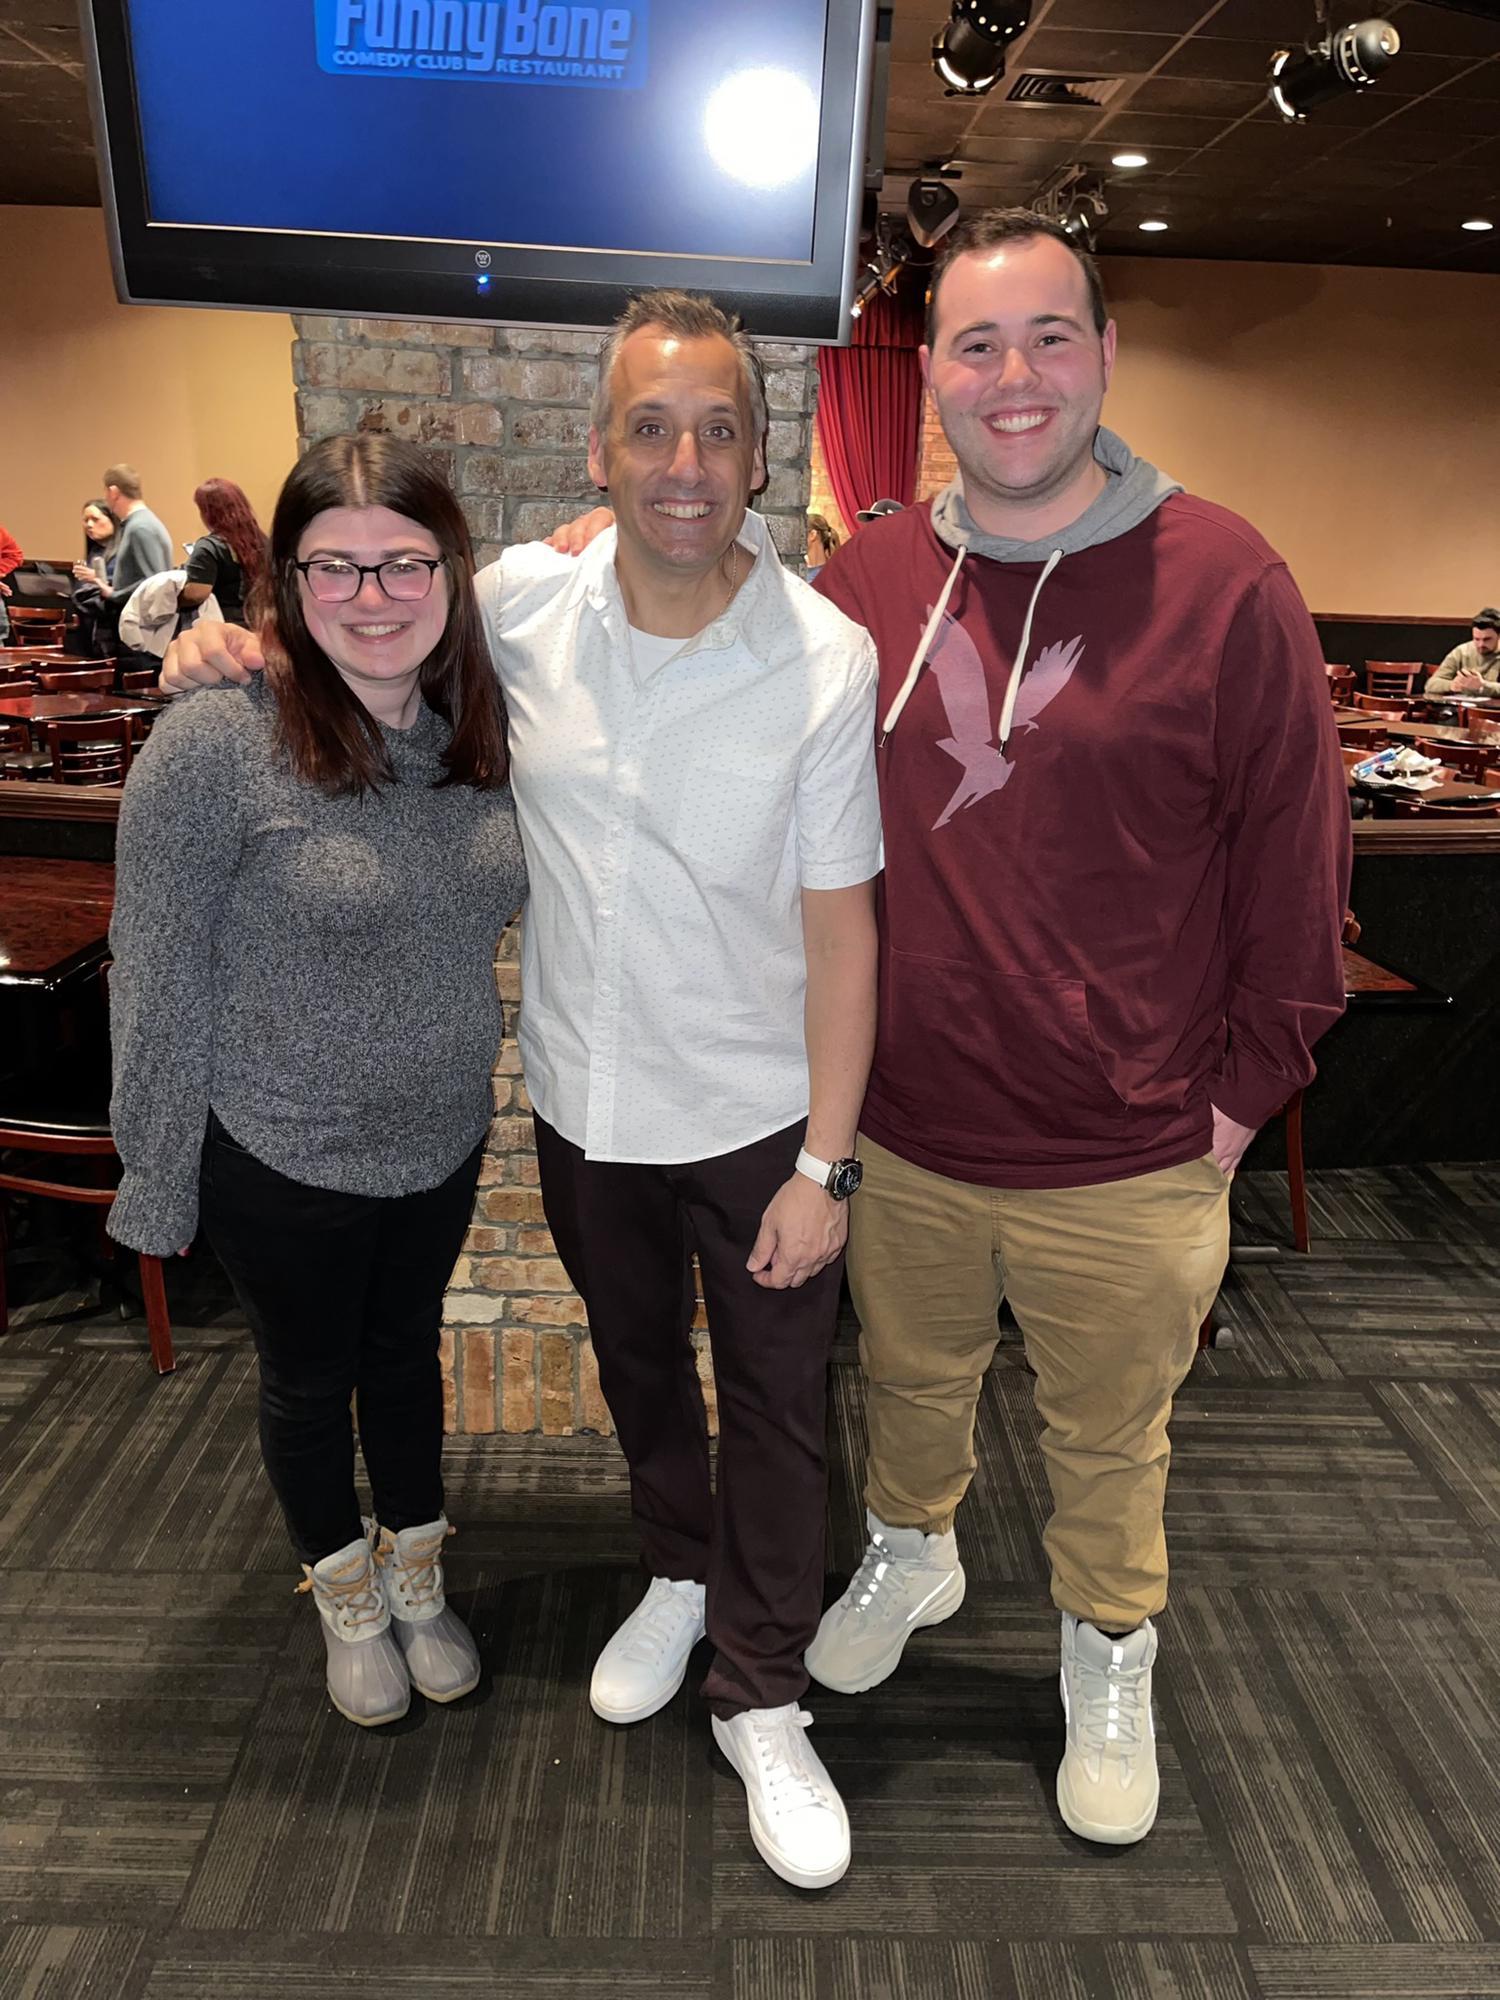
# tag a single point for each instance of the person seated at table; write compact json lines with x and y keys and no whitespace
{"x":229,"y":560}
{"x":90,"y":629}
{"x":312,"y":872}
{"x":1474,"y":667}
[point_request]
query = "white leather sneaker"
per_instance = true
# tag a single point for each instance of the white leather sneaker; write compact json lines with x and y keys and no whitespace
{"x":367,"y":1678}
{"x":1107,"y":1784}
{"x":905,"y":1580}
{"x":797,"y":1819}
{"x":645,"y":1663}
{"x":441,"y":1656}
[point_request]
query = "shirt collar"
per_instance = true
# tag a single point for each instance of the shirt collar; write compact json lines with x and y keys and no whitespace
{"x":751,"y":617}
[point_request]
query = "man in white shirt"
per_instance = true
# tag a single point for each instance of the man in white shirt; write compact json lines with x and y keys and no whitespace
{"x":692,"y":734}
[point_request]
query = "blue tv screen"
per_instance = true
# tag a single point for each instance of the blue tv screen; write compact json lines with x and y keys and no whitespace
{"x":518,"y":160}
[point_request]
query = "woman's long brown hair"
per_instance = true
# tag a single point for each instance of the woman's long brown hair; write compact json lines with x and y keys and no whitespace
{"x":326,"y":733}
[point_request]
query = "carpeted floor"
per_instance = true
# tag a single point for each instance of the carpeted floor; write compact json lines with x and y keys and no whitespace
{"x":183,"y":1816}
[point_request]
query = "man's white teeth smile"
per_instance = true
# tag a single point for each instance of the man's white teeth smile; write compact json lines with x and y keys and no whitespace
{"x":683,"y":510}
{"x":1028,"y":422}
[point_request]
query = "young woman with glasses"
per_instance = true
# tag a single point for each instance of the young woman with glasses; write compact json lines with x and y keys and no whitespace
{"x":312,"y":872}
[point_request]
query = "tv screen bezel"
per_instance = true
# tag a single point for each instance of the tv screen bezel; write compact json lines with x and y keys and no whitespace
{"x":268,"y":270}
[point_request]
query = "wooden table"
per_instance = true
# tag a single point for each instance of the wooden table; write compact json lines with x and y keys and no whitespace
{"x":54,"y":919}
{"x":64,"y":707}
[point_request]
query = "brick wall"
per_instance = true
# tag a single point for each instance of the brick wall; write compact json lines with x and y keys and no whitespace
{"x":506,"y":413}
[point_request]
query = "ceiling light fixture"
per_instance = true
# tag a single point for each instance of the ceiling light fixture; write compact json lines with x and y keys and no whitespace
{"x":1478,"y":224}
{"x":1152,"y":228}
{"x":1128,"y":160}
{"x":968,"y":51}
{"x":1347,"y":58}
{"x":890,"y":255}
{"x":1074,"y":199}
{"x":932,"y":208}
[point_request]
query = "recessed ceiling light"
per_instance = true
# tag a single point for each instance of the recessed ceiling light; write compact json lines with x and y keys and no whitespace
{"x":1128,"y":160}
{"x":1478,"y":224}
{"x":1152,"y":228}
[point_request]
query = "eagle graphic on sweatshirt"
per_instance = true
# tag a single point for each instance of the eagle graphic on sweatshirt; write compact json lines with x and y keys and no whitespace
{"x":959,"y":672}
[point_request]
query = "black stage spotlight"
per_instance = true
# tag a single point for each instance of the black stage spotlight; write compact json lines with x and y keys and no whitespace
{"x":1348,"y":58}
{"x":968,"y":51}
{"x":931,"y":211}
{"x":889,"y":256}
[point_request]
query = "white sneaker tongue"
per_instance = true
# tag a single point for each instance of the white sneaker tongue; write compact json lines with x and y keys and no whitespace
{"x":1097,"y":1648}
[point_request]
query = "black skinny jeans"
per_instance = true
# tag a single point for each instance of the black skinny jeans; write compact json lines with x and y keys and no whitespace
{"x":344,"y":1295}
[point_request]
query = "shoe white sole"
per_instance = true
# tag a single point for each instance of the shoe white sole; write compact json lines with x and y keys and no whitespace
{"x":652,"y":1706}
{"x":1105,"y":1836}
{"x":934,"y":1612}
{"x":453,"y":1694}
{"x":766,"y":1848}
{"x":369,"y":1721}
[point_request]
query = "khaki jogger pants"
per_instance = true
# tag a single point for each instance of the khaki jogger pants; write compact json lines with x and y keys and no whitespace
{"x":1109,"y":1285}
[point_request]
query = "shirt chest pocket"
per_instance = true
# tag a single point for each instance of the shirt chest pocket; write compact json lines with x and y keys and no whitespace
{"x":734,"y":815}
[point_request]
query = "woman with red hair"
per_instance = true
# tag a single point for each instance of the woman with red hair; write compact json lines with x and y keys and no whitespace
{"x":231,"y":558}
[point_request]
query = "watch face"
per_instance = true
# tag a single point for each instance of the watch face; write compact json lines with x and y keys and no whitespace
{"x":845,"y":1179}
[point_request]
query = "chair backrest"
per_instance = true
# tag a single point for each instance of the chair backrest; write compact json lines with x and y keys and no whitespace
{"x":1426,"y":809}
{"x":1392,"y":710}
{"x":1390,"y":677}
{"x":76,"y":680}
{"x":1471,"y":759}
{"x":14,"y":736}
{"x":19,"y":686}
{"x":141,"y":683}
{"x":93,"y":752}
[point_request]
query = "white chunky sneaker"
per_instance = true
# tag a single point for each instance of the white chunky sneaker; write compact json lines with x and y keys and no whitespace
{"x":644,"y":1664}
{"x":1107,"y":1783}
{"x":441,"y":1656}
{"x":797,"y":1819}
{"x":906,"y":1580}
{"x":367,"y":1678}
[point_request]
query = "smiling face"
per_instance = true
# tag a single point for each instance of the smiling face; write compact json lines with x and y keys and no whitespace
{"x":373,"y":640}
{"x":679,"y":457}
{"x":1018,"y":373}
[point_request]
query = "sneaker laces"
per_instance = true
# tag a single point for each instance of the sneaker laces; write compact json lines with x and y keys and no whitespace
{"x":416,"y":1571}
{"x":656,"y":1623}
{"x":1110,"y":1707}
{"x":353,"y":1592}
{"x":791,"y":1782}
{"x":868,"y":1594}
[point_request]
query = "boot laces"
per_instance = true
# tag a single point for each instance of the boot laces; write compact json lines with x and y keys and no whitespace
{"x":658,"y":1622}
{"x":1110,"y":1707}
{"x":416,"y":1570}
{"x":791,"y":1780}
{"x":869,"y":1593}
{"x":353,"y":1592}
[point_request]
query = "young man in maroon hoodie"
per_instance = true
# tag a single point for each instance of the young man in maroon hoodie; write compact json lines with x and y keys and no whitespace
{"x":1117,"y":848}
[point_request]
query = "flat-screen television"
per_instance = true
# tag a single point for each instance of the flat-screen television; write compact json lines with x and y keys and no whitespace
{"x":525,"y":161}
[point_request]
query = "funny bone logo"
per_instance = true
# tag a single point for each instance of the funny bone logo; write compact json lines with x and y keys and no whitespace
{"x":485,"y":41}
{"x":959,"y":673}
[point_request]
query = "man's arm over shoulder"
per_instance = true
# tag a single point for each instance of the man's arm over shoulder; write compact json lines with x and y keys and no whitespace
{"x":1283,"y":811}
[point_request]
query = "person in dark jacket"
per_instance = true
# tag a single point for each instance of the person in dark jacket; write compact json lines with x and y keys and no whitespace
{"x":91,"y":631}
{"x":230,"y":559}
{"x":1117,"y":852}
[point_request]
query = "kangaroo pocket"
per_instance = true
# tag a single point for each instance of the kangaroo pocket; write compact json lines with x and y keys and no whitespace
{"x":987,"y":1063}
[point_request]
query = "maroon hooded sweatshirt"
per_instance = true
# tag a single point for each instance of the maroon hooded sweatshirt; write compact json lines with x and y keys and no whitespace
{"x":1121,"y":902}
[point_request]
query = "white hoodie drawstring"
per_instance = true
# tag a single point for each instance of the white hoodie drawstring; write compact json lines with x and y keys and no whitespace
{"x":1008,"y":706}
{"x":929,"y":633}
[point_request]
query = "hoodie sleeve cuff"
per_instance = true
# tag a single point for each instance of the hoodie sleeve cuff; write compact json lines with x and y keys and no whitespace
{"x":156,"y":1221}
{"x":1247,"y":1093}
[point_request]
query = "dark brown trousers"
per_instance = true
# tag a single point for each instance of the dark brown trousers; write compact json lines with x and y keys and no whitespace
{"x":626,"y":1235}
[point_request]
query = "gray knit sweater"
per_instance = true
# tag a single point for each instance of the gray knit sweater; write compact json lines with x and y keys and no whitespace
{"x":319,"y":971}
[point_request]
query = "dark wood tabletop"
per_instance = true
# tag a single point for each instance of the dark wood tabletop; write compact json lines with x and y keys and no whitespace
{"x":54,"y":918}
{"x":62,"y":707}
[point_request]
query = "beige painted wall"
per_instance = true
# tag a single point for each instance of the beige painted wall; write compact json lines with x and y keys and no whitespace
{"x":182,"y":395}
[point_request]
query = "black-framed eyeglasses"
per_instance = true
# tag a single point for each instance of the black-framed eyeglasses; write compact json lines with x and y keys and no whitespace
{"x":332,"y":580}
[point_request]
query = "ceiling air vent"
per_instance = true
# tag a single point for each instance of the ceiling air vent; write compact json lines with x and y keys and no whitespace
{"x":1040,"y":86}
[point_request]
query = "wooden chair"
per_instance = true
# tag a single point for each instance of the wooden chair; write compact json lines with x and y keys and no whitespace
{"x":1393,"y":677}
{"x":1469,"y":760}
{"x":1340,"y":681}
{"x":142,"y":683}
{"x":79,"y":1136}
{"x":1363,"y":736}
{"x":76,"y":680}
{"x":1392,"y":708}
{"x":13,"y":689}
{"x":18,"y":761}
{"x":1426,"y":809}
{"x":91,"y":752}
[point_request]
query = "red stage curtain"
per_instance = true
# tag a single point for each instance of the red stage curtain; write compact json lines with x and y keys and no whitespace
{"x":870,"y":408}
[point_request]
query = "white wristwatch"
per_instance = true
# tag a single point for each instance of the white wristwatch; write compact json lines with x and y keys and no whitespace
{"x":838,"y":1178}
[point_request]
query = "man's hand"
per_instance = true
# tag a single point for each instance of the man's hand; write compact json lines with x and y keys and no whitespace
{"x":574,"y":536}
{"x":211,"y":653}
{"x":84,"y":574}
{"x":4,"y":590}
{"x":1466,"y":680}
{"x":801,"y":1233}
{"x":1229,"y":1141}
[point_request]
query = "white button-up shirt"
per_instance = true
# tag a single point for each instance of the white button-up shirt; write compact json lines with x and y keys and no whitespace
{"x":670,"y":822}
